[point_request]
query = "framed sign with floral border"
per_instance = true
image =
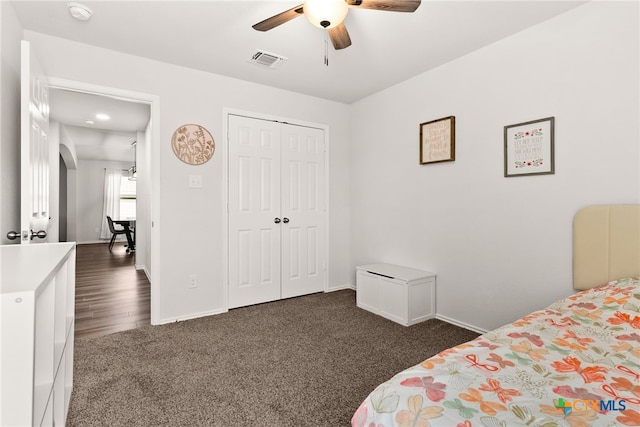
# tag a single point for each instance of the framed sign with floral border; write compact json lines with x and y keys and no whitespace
{"x":528,"y":148}
{"x":193,"y":144}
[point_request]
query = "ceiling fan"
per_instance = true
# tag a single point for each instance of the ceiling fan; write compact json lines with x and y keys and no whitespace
{"x":330,"y":14}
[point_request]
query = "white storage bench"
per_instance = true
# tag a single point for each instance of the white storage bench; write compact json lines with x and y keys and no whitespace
{"x":404,"y":295}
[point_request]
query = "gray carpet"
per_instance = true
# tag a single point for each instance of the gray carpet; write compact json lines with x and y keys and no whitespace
{"x":307,"y":361}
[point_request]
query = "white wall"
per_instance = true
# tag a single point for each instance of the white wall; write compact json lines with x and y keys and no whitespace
{"x":72,"y":204}
{"x":53,"y":229}
{"x":67,"y":148}
{"x":10,"y":35}
{"x":143,"y":205}
{"x":190,"y":220}
{"x":90,"y":198}
{"x":501,"y":246}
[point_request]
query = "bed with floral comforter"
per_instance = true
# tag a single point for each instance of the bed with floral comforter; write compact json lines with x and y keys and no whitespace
{"x":575,"y":363}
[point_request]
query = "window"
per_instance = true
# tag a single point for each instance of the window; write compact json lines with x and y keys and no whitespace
{"x":127,"y":198}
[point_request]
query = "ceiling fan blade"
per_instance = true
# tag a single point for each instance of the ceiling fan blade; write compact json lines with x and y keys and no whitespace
{"x":339,"y":37}
{"x":388,"y":5}
{"x":279,"y":19}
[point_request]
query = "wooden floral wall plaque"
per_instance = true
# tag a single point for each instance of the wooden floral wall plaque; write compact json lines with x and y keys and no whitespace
{"x":193,"y":144}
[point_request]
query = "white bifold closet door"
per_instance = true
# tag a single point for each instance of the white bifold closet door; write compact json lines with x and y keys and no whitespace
{"x":277,"y":210}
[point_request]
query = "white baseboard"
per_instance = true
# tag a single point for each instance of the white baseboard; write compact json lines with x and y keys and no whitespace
{"x":146,"y":272}
{"x":191,"y":316}
{"x":93,"y":242}
{"x":461,"y":324}
{"x":339,"y":288}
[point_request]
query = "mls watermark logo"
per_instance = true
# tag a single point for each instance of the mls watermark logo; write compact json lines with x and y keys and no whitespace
{"x":593,"y":405}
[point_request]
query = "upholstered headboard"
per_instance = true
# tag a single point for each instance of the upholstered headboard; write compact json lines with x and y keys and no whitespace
{"x":606,"y":244}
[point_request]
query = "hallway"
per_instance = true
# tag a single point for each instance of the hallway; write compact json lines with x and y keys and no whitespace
{"x":111,"y":296}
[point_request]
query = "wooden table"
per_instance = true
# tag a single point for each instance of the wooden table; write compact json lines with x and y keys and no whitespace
{"x":129,"y":226}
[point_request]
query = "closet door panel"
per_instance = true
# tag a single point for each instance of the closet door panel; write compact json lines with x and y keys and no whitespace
{"x":276,"y":171}
{"x":303,"y":203}
{"x":254,"y":203}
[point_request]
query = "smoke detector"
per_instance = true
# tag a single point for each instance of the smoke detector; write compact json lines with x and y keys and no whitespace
{"x":266,"y":59}
{"x":79,"y":11}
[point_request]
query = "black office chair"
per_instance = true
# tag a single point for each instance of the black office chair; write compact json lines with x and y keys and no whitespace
{"x":114,"y":232}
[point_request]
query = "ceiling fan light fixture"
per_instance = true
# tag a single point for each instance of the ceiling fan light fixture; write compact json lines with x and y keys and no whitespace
{"x":79,"y":11}
{"x":325,"y":13}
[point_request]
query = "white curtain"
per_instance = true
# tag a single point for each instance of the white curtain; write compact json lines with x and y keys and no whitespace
{"x":111,"y":205}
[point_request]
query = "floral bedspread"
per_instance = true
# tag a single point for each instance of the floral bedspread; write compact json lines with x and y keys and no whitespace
{"x":575,"y":363}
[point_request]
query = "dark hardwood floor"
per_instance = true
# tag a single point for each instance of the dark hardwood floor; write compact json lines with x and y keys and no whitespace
{"x":111,"y":296}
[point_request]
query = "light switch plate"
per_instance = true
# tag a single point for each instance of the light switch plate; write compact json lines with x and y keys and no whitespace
{"x":195,"y":181}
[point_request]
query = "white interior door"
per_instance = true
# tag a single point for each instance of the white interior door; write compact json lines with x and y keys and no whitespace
{"x":277,"y":210}
{"x":254,"y":203}
{"x":34,"y":159}
{"x":303,"y":211}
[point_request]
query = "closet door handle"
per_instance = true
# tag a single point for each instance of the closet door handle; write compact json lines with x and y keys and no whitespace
{"x":285,"y":220}
{"x":277,"y":220}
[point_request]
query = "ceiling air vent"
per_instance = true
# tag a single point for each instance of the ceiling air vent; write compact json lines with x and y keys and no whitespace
{"x":267,"y":59}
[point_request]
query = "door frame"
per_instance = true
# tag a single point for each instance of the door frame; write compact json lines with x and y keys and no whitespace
{"x":153,"y":167}
{"x":226,"y":112}
{"x":35,"y":166}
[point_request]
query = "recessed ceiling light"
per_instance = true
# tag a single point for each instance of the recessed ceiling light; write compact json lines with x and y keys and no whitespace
{"x":89,"y":122}
{"x":101,"y":116}
{"x":79,"y":11}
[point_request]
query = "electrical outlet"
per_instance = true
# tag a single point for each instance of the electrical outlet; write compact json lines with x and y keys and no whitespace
{"x":193,"y":281}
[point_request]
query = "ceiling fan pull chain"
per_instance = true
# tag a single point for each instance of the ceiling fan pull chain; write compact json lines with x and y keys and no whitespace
{"x":326,"y":50}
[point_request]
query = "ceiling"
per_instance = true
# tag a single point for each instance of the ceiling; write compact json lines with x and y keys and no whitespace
{"x":216,"y":36}
{"x":94,"y":138}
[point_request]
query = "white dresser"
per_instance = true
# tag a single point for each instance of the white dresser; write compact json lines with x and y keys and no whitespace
{"x":404,"y":295}
{"x":37,"y":297}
